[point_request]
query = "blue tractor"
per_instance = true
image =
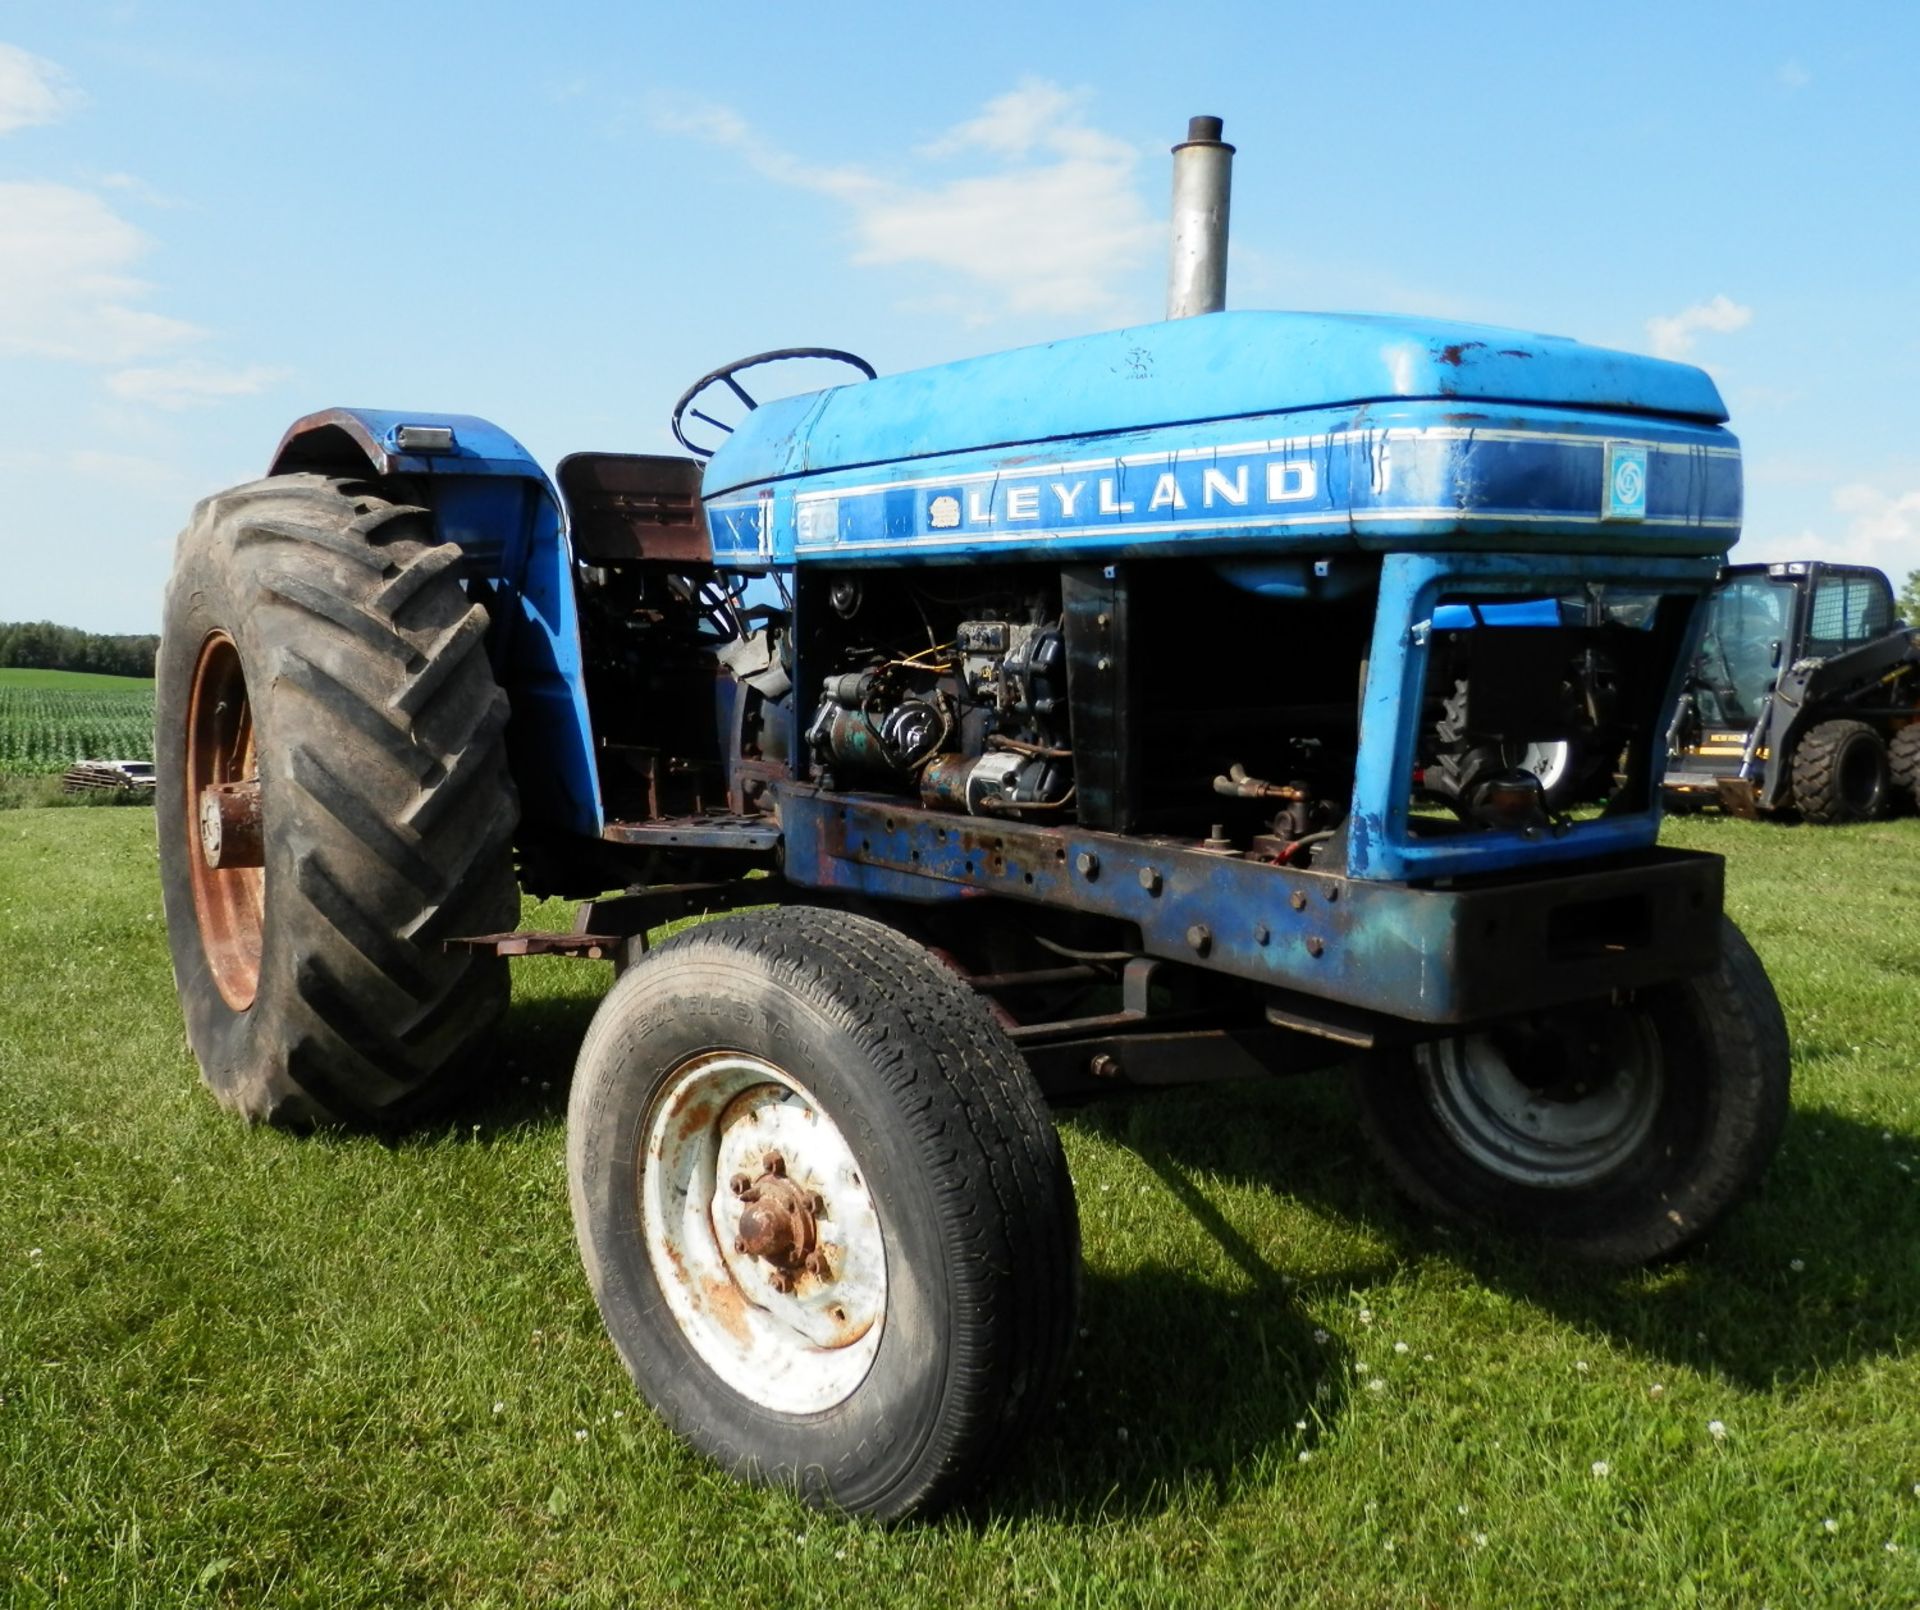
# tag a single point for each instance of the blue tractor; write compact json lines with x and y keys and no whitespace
{"x":1151,"y":707}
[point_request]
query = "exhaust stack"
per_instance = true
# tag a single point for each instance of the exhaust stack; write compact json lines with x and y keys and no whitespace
{"x":1202,"y":192}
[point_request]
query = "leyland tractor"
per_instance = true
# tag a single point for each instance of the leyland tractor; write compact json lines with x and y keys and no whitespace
{"x":1804,"y":697}
{"x":1146,"y":708}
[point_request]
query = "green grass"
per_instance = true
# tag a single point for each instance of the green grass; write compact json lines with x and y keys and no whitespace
{"x":50,"y":719}
{"x":240,"y":1368}
{"x":74,"y":681}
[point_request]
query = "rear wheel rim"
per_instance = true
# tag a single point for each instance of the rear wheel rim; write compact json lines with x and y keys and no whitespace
{"x":230,"y":903}
{"x":1559,"y":1106}
{"x":793,"y":1339}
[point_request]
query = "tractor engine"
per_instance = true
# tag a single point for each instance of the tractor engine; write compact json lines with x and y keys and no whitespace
{"x":974,"y":722}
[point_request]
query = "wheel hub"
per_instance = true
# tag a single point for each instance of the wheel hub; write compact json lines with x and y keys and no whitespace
{"x":230,"y":833}
{"x":1559,"y":1102}
{"x":780,"y":1223}
{"x":763,"y":1236}
{"x":226,"y":841}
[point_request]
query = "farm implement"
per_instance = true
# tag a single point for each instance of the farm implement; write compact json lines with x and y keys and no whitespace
{"x":1804,"y":696}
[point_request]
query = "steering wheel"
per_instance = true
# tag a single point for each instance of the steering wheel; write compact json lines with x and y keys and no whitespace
{"x":727,"y":375}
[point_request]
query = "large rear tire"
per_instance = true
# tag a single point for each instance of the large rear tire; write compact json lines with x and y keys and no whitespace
{"x":1619,"y":1133}
{"x":321,"y":661}
{"x":1840,"y":774}
{"x":823,"y":1209}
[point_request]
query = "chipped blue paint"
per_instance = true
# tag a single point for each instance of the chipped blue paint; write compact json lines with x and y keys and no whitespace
{"x":1380,"y":844}
{"x":1234,"y":433}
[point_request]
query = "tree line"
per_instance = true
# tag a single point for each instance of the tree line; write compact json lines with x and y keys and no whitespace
{"x":43,"y":646}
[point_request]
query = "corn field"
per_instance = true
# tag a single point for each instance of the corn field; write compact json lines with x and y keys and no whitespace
{"x":47,"y":729}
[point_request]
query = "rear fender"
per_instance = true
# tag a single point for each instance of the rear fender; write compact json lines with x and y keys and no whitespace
{"x":488,"y":495}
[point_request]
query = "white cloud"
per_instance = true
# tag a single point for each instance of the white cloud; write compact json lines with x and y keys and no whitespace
{"x":126,"y":469}
{"x":1792,"y":76}
{"x":1875,"y":527}
{"x":32,"y":90}
{"x":1037,"y":115}
{"x":190,"y":383}
{"x":1053,"y":226}
{"x":133,"y":185}
{"x":1673,"y":335}
{"x":66,"y":290}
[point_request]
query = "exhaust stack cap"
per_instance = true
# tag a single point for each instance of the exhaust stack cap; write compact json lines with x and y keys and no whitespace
{"x":1202,"y":194}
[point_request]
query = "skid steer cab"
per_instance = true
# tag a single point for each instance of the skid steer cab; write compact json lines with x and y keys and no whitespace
{"x":1250,"y":693}
{"x":1804,"y":697}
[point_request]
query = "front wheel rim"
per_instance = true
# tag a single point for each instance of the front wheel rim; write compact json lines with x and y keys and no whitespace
{"x":229,"y":903}
{"x":762,"y":1233}
{"x":1559,"y":1107}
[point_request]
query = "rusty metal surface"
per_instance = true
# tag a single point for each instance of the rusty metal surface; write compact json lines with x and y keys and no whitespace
{"x":780,"y":1224}
{"x":697,"y":833}
{"x":230,"y":831}
{"x":1434,"y":955}
{"x":583,"y":946}
{"x":626,"y":506}
{"x":762,"y":1232}
{"x":616,"y":929}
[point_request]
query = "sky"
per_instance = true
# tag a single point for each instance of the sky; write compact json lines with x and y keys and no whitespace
{"x":217,"y":217}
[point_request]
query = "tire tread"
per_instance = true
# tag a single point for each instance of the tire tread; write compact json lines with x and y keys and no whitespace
{"x":386,"y":720}
{"x":1817,"y":787}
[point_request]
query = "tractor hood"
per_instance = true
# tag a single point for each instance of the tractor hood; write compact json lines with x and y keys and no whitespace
{"x":1222,"y":366}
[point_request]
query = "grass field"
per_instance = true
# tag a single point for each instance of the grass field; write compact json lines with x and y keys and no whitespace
{"x":239,"y":1368}
{"x":50,"y":719}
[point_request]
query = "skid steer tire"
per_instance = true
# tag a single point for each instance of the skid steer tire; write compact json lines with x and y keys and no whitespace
{"x":773,"y":1058}
{"x":319,"y":649}
{"x":1840,"y":774}
{"x":1903,"y":765}
{"x":1616,"y":1133}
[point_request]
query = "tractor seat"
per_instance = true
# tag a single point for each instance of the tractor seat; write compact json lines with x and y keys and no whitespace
{"x":623,"y":507}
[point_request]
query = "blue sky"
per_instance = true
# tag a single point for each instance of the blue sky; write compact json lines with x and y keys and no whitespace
{"x":217,"y":217}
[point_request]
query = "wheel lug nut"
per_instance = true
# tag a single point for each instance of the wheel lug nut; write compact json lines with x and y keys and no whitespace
{"x":740,"y":1184}
{"x":816,"y":1204}
{"x":740,"y":1245}
{"x":774,"y":1164}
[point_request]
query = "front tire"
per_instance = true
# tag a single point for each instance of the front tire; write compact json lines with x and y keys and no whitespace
{"x":1840,"y":774}
{"x":321,"y":661}
{"x":823,"y":1209}
{"x":1619,"y":1133}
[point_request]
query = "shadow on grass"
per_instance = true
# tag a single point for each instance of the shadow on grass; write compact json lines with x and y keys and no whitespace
{"x":523,"y":1085}
{"x":1836,"y":1201}
{"x":1175,"y":1384}
{"x":1209,"y":1385}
